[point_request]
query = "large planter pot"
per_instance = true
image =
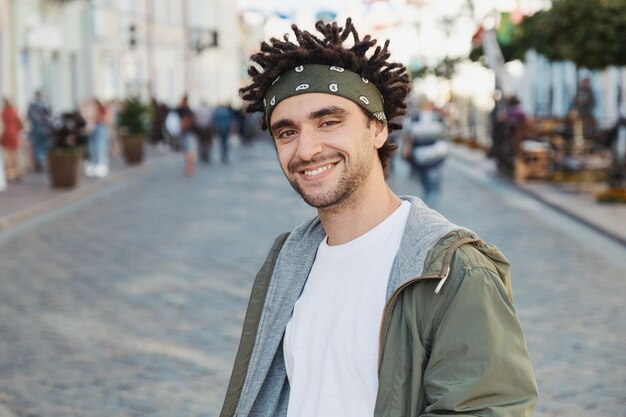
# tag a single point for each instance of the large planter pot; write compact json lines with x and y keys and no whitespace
{"x":133,"y":148}
{"x":64,"y":166}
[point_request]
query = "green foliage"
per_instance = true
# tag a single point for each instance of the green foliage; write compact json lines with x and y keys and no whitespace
{"x":538,"y":32}
{"x":589,"y":33}
{"x":133,"y":117}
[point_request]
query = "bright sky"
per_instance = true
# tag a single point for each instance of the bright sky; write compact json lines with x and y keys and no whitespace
{"x":294,"y":6}
{"x":413,"y":31}
{"x":421,"y":32}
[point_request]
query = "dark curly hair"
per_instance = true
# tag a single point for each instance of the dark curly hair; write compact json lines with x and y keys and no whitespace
{"x":278,"y":56}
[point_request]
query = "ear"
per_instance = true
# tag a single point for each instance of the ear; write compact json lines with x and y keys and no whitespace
{"x":381,"y":133}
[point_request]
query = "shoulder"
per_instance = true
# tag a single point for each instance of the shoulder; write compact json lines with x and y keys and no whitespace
{"x":468,"y":258}
{"x":483,"y":265}
{"x":478,"y":277}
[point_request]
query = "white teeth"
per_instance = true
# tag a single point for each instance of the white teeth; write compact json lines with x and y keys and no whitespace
{"x":317,"y":171}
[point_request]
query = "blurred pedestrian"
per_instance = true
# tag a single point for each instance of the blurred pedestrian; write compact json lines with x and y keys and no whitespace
{"x":584,"y":103}
{"x":204,"y":130}
{"x":239,"y":119}
{"x":378,"y":306}
{"x":158,"y":112}
{"x":425,"y":149}
{"x":98,"y":141}
{"x":10,"y":141}
{"x":189,"y":144}
{"x":515,"y":114}
{"x":497,"y":126}
{"x":223,"y":122}
{"x":113,"y":107}
{"x":39,"y":119}
{"x":172,"y":129}
{"x":516,"y":120}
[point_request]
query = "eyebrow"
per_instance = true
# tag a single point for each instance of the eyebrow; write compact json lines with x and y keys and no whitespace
{"x":326,"y":111}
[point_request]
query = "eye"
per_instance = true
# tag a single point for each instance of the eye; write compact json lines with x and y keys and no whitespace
{"x":286,"y":133}
{"x":328,"y":123}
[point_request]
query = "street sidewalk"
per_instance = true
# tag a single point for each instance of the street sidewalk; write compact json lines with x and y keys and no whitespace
{"x":576,"y":201}
{"x":33,"y":197}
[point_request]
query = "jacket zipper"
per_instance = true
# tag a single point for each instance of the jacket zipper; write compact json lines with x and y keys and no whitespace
{"x":390,"y":303}
{"x":443,"y":275}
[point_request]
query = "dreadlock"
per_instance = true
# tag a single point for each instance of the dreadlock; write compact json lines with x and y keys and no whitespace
{"x":279,"y":56}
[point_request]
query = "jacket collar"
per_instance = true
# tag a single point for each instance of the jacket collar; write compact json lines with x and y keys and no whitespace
{"x":425,"y":229}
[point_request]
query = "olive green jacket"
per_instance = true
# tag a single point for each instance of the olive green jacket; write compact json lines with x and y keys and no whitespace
{"x":450,"y":340}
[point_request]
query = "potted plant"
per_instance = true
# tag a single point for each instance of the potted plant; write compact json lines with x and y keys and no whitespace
{"x":68,"y":139}
{"x":132,"y":128}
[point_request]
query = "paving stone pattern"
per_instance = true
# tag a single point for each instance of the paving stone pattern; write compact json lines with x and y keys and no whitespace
{"x":132,"y":304}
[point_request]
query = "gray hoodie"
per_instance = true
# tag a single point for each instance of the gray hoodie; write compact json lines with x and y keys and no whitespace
{"x":265,"y":390}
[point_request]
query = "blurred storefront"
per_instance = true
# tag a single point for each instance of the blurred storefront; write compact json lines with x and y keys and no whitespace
{"x":6,"y":74}
{"x":72,"y":50}
{"x":43,"y":45}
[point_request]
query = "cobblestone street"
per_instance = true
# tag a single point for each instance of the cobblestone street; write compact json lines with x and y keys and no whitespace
{"x":130,"y":302}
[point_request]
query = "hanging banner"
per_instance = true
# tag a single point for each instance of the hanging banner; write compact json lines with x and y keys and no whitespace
{"x":496,"y":61}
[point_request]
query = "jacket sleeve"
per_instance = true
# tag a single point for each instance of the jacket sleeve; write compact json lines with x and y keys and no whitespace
{"x":479,"y":363}
{"x":250,"y":327}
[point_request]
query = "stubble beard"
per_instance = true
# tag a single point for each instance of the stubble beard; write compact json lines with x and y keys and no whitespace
{"x":353,"y":177}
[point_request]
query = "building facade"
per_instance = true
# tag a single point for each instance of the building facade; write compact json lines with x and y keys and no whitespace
{"x":6,"y":72}
{"x":112,"y":49}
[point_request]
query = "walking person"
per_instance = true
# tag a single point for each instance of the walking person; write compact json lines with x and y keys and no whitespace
{"x":204,"y":130}
{"x":10,"y":141}
{"x":378,"y":306}
{"x":189,"y":143}
{"x":39,"y":119}
{"x":98,"y":141}
{"x":157,"y":123}
{"x":223,"y":123}
{"x":425,"y":149}
{"x":584,"y":103}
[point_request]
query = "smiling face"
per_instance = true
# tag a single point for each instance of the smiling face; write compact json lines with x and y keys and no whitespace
{"x":327,"y":147}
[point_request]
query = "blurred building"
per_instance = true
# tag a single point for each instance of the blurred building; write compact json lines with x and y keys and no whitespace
{"x":424,"y":32}
{"x":6,"y":73}
{"x":71,"y":50}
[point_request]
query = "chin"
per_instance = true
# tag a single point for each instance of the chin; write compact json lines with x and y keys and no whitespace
{"x":326,"y":200}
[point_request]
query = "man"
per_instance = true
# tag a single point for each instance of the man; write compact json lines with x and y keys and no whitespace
{"x":187,"y":136}
{"x":379,"y":306}
{"x":425,"y":148}
{"x":584,"y":104}
{"x":39,"y":118}
{"x":223,"y":123}
{"x":204,"y":130}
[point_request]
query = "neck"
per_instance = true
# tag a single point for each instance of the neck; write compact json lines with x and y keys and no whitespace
{"x":363,"y":211}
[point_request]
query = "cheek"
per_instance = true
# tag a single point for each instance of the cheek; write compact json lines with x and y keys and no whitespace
{"x":285,"y":153}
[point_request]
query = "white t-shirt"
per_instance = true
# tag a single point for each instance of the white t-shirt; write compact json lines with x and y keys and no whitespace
{"x":331,"y":340}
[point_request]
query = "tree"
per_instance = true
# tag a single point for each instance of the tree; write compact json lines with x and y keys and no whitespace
{"x":538,"y":32}
{"x":589,"y":33}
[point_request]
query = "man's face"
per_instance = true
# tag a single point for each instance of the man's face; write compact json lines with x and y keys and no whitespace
{"x":326,"y":146}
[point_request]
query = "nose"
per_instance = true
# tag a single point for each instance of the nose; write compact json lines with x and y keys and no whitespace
{"x":309,"y":145}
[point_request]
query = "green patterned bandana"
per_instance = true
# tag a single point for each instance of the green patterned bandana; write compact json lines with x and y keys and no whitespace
{"x":315,"y":78}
